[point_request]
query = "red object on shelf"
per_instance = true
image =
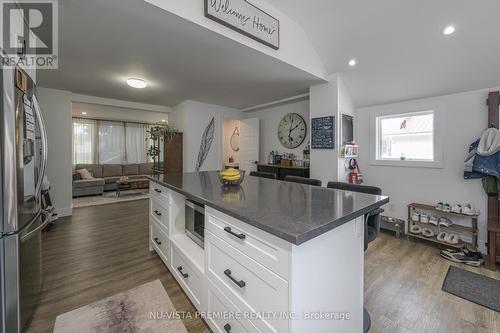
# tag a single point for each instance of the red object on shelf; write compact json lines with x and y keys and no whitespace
{"x":355,"y":176}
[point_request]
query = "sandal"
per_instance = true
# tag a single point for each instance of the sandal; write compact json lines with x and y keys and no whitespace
{"x":416,"y":229}
{"x":427,"y":232}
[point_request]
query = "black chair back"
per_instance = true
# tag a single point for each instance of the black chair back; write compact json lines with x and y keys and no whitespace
{"x":268,"y":175}
{"x":302,"y":180}
{"x":372,"y":219}
{"x":355,"y":188}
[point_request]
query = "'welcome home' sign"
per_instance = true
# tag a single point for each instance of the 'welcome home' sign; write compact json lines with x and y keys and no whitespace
{"x":245,"y":18}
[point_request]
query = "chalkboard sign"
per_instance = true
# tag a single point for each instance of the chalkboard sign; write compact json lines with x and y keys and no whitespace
{"x":323,"y":133}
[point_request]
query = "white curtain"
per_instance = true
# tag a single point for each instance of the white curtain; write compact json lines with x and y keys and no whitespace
{"x":136,"y":145}
{"x":84,"y":141}
{"x":111,"y":142}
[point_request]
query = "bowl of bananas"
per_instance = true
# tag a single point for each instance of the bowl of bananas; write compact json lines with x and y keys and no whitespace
{"x":231,"y":176}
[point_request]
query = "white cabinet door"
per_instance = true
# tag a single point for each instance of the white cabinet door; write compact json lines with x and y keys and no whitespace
{"x":249,"y":144}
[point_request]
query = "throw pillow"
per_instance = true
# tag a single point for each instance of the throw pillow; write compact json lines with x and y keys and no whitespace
{"x":76,"y":176}
{"x":85,"y":174}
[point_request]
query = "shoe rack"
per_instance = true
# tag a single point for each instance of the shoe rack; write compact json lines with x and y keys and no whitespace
{"x":462,"y":230}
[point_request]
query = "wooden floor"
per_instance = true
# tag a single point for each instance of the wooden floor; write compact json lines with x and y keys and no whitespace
{"x":103,"y":250}
{"x":98,"y":252}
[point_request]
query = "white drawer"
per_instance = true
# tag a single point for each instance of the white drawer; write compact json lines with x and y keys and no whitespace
{"x":224,"y":317}
{"x":159,"y":213}
{"x":268,"y":250}
{"x":189,"y":278}
{"x":160,"y":242}
{"x":159,"y":192}
{"x":249,"y":285}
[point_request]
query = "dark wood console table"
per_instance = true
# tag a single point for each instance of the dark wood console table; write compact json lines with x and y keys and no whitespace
{"x":282,"y":171}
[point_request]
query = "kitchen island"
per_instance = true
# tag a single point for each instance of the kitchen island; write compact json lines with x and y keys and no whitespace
{"x":277,"y":256}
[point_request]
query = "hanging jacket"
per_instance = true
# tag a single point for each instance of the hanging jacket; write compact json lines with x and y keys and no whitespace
{"x":487,"y":158}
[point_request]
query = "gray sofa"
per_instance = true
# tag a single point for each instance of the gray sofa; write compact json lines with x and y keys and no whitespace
{"x":105,"y":177}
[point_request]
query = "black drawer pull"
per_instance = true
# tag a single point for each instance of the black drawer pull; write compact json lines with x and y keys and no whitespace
{"x":157,"y":190}
{"x":240,"y":236}
{"x":157,"y":213}
{"x":227,"y":328}
{"x":240,"y":284}
{"x":157,"y":241}
{"x":184,"y":275}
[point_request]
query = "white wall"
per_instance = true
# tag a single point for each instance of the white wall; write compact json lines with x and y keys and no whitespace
{"x":269,"y":121}
{"x":192,"y":118}
{"x":346,"y":106}
{"x":466,"y":117}
{"x":228,"y":127}
{"x":295,"y":47}
{"x":56,"y":110}
{"x":116,"y":113}
{"x":324,"y":101}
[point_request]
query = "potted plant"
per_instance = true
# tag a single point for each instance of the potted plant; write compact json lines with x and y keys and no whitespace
{"x":158,"y":133}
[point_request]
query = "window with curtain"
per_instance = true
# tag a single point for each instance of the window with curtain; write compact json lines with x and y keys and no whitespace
{"x":110,"y":142}
{"x":84,"y":141}
{"x":136,"y":145}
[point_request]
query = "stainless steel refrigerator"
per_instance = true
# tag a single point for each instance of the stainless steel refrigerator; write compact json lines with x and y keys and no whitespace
{"x":23,"y":148}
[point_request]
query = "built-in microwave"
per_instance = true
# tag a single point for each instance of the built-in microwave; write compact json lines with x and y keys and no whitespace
{"x":195,"y":222}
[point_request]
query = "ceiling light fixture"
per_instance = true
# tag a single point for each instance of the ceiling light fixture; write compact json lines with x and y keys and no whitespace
{"x":137,"y":83}
{"x":352,"y":62}
{"x":449,"y":30}
{"x":84,"y":113}
{"x":163,"y":120}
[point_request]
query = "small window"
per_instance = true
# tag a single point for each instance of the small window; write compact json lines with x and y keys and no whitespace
{"x":406,"y":137}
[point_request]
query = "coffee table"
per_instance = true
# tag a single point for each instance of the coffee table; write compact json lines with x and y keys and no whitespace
{"x":131,"y":184}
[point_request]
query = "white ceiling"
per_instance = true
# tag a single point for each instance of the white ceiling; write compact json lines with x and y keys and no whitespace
{"x":399,"y":47}
{"x":104,"y":42}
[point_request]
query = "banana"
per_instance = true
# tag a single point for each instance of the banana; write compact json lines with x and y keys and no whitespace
{"x":232,"y":178}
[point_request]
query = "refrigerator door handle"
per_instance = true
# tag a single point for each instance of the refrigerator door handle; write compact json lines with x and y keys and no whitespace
{"x":47,"y":217}
{"x":43,"y":135}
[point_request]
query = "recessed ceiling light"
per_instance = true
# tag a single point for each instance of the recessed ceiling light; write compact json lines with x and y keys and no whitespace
{"x":137,"y":83}
{"x":352,"y":62}
{"x":163,"y":120}
{"x":449,"y":30}
{"x":84,"y":113}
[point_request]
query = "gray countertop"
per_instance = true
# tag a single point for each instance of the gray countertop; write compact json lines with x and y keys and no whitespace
{"x":294,"y":212}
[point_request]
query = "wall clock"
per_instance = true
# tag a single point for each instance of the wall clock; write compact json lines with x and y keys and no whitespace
{"x":292,"y":130}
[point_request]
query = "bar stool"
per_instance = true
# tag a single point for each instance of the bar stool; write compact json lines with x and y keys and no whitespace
{"x":302,"y":180}
{"x":372,"y":226}
{"x":268,"y":175}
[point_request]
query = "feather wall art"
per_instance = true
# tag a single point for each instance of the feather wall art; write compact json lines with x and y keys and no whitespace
{"x":206,"y":144}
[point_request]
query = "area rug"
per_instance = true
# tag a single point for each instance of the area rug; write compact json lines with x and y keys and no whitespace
{"x":145,"y":309}
{"x":110,"y":198}
{"x":473,"y":287}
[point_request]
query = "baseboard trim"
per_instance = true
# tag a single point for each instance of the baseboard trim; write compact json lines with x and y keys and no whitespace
{"x":62,"y":212}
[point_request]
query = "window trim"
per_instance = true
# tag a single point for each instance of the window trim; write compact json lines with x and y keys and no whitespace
{"x":402,"y":109}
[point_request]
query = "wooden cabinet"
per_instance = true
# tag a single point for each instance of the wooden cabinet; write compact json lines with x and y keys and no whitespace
{"x":282,"y":171}
{"x":172,"y":155}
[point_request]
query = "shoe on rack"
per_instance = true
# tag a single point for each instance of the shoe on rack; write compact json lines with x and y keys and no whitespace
{"x":439,"y":206}
{"x":416,"y":229}
{"x":444,"y":222}
{"x":433,"y":220}
{"x":446,"y":208}
{"x":415,"y":217}
{"x":442,"y":236}
{"x":452,"y":239}
{"x":427,"y":232}
{"x":469,"y":210}
{"x":456,"y":209}
{"x":464,"y":255}
{"x":424,"y":218}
